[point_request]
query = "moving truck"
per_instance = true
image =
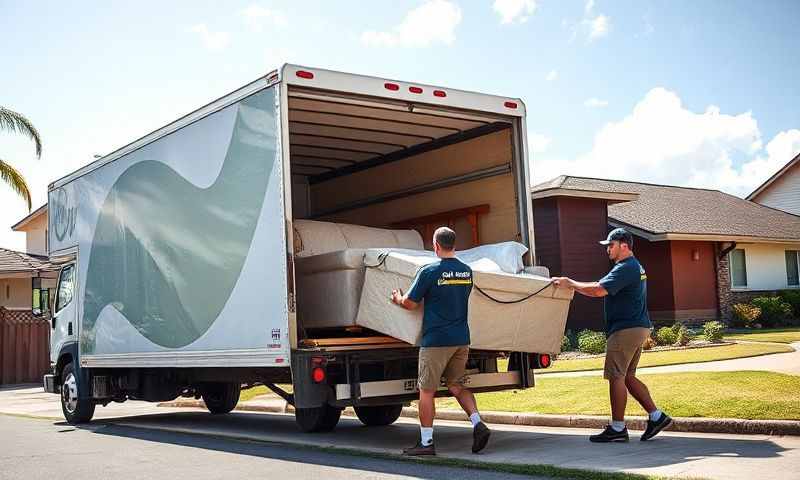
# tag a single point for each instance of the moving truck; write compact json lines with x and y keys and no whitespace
{"x":178,"y":251}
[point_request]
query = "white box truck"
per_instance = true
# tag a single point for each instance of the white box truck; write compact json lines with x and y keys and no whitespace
{"x":178,"y":251}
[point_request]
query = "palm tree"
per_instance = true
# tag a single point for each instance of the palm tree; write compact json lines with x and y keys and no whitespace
{"x":16,"y":122}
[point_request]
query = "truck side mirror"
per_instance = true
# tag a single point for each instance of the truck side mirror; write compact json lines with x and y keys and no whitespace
{"x":40,"y":302}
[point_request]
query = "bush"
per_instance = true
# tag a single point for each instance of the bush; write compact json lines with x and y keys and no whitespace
{"x":666,"y":336}
{"x":591,"y":342}
{"x":684,"y":336}
{"x":677,"y":327}
{"x":792,"y":297}
{"x":713,"y":331}
{"x":774,"y":311}
{"x":744,"y":315}
{"x":649,"y":343}
{"x":566,"y":345}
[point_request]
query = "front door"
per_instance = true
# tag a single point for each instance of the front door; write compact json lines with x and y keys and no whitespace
{"x":63,"y":324}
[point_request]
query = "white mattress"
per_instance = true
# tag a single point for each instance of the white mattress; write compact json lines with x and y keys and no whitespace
{"x":535,"y":325}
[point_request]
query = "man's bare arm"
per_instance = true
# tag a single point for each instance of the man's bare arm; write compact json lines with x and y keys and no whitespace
{"x":589,"y":289}
{"x":399,"y":299}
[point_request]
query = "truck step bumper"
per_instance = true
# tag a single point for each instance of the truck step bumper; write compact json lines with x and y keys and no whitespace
{"x":50,"y":383}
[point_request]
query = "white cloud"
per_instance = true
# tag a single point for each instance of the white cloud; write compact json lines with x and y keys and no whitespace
{"x":214,"y":41}
{"x":434,"y":21}
{"x":552,"y":76}
{"x":511,"y":11}
{"x":256,"y":16}
{"x":277,"y":56}
{"x":598,"y":27}
{"x":538,"y":143}
{"x":661,"y":141}
{"x":593,"y":26}
{"x":595,"y":103}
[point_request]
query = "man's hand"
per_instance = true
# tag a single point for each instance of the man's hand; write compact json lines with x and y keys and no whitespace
{"x":562,"y":282}
{"x":397,"y":297}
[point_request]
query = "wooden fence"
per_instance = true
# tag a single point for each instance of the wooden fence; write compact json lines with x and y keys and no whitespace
{"x":24,"y":347}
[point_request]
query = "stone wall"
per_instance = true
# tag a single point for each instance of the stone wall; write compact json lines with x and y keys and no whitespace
{"x":724,"y":294}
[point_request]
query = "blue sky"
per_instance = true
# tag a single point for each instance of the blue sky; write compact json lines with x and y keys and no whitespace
{"x":687,"y":93}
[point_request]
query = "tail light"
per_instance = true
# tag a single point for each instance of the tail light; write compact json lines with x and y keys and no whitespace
{"x":414,"y":89}
{"x":304,"y":74}
{"x":439,"y":93}
{"x":318,"y":374}
{"x":391,"y":86}
{"x":510,"y":104}
{"x":541,"y":360}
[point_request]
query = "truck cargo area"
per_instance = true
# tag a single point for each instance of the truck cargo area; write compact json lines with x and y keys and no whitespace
{"x":401,"y":165}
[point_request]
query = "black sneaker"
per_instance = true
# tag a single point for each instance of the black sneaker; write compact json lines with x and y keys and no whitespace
{"x":420,"y":450}
{"x":480,"y":436}
{"x":610,"y":435}
{"x":653,"y":427}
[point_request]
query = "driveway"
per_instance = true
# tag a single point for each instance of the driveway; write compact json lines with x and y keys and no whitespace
{"x":674,"y":454}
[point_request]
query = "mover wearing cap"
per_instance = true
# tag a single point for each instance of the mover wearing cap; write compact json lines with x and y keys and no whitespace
{"x":628,"y":325}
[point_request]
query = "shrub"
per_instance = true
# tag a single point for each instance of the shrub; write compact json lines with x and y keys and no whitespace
{"x":591,"y":342}
{"x":713,"y":331}
{"x":649,"y":343}
{"x":792,"y":297}
{"x":774,"y":311}
{"x":744,"y":315}
{"x":665,"y":336}
{"x":566,"y":345}
{"x":677,"y":327}
{"x":684,"y":336}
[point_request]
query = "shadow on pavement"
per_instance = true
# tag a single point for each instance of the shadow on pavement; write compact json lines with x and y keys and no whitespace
{"x":563,"y":448}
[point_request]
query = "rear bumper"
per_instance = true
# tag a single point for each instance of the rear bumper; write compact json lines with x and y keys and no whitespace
{"x":49,"y":382}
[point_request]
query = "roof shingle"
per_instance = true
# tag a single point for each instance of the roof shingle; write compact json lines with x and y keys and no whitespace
{"x":664,"y":209}
{"x":17,"y":262}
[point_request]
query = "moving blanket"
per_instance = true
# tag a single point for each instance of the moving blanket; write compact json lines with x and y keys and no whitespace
{"x":535,"y":325}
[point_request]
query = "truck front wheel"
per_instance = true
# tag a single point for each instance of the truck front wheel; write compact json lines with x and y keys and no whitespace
{"x":379,"y":415}
{"x":220,"y":397}
{"x":319,"y":419}
{"x":76,"y":409}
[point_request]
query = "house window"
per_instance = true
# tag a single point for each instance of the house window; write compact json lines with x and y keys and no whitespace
{"x":792,"y":268}
{"x":738,"y":268}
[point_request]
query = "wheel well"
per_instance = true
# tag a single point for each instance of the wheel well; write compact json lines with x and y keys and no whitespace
{"x":63,"y":360}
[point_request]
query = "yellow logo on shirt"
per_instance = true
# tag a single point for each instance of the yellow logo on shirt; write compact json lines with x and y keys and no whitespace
{"x":455,"y":278}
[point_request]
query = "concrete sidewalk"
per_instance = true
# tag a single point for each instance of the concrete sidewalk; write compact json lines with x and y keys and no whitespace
{"x":788,"y":363}
{"x":670,"y":454}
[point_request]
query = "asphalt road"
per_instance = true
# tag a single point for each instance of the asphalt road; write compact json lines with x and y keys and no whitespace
{"x":43,"y":449}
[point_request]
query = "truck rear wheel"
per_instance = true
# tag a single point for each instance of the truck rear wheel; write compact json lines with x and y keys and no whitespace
{"x":76,"y":409}
{"x":319,"y":419}
{"x":379,"y":415}
{"x":220,"y":397}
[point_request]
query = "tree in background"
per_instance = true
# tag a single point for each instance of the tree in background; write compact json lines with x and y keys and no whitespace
{"x":17,"y":123}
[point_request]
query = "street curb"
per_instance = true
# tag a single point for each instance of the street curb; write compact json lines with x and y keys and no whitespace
{"x":681,"y":424}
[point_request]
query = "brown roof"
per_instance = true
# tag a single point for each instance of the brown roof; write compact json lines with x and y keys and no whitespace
{"x":663,"y":212}
{"x":18,"y":262}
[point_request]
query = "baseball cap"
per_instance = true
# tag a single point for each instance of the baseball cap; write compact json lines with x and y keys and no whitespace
{"x":619,"y":234}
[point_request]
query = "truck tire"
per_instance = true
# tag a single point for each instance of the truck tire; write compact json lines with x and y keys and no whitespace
{"x":319,"y":419}
{"x":379,"y":415}
{"x":76,"y":410}
{"x":220,"y":397}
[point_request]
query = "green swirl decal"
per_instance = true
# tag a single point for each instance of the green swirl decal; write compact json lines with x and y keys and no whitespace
{"x":167,"y":254}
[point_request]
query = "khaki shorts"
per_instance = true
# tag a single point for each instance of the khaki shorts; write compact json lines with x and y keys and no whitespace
{"x":623,"y":349}
{"x":438,"y":362}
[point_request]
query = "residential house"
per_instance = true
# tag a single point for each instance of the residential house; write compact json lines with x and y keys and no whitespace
{"x":703,"y":250}
{"x":21,"y":271}
{"x":782,"y":190}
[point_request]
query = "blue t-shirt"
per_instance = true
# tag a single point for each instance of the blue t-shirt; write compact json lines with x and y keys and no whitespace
{"x":626,"y":303}
{"x":445,"y":286}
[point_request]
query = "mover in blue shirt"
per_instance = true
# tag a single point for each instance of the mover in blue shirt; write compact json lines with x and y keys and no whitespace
{"x":627,"y":327}
{"x":445,"y":287}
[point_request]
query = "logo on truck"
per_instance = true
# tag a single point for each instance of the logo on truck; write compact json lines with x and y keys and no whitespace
{"x":64,"y":214}
{"x":167,"y":254}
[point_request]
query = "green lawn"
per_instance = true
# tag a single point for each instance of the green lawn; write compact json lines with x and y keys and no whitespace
{"x":675,"y":357}
{"x":777,"y":335}
{"x":751,"y":395}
